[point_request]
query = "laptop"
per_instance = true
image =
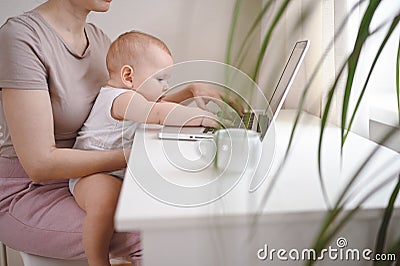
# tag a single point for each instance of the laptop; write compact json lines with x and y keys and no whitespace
{"x":256,"y":120}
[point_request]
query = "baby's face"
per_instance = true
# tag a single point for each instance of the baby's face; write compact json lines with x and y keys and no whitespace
{"x":146,"y":82}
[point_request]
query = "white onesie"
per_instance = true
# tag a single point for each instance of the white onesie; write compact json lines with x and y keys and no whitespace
{"x":102,"y":132}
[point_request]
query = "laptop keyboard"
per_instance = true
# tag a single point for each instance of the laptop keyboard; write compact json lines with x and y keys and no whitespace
{"x":246,"y":121}
{"x":208,"y":130}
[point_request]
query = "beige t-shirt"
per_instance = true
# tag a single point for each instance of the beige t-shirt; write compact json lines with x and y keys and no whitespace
{"x":33,"y":56}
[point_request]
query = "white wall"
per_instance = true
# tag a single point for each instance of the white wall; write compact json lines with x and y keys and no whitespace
{"x":192,"y":29}
{"x":9,"y":8}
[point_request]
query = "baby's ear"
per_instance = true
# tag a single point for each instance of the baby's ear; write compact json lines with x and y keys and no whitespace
{"x":127,"y":76}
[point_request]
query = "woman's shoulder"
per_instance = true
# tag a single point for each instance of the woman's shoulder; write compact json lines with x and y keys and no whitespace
{"x":20,"y":35}
{"x":20,"y":25}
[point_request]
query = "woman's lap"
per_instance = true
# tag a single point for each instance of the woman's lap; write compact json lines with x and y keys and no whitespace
{"x":45,"y":219}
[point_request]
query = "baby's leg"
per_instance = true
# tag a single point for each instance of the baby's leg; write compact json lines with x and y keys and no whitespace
{"x":97,"y":194}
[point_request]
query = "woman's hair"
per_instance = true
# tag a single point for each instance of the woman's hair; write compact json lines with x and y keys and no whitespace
{"x":128,"y":46}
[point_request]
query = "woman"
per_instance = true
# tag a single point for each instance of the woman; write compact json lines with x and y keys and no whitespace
{"x":52,"y":64}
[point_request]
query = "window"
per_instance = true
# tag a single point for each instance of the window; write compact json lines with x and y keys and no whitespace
{"x":382,"y":87}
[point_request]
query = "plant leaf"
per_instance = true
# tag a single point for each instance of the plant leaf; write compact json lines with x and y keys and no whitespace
{"x":232,"y":31}
{"x":241,"y":54}
{"x":348,"y":215}
{"x":362,"y":35}
{"x":337,"y":34}
{"x":395,"y":249}
{"x":395,"y":22}
{"x":380,"y":243}
{"x":267,"y":38}
{"x":398,"y":80}
{"x":326,"y":234}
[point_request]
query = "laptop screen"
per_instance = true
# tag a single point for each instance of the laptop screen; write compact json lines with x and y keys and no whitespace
{"x":285,"y":81}
{"x":288,"y":75}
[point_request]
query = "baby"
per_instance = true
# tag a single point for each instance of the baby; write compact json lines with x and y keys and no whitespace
{"x":121,"y":105}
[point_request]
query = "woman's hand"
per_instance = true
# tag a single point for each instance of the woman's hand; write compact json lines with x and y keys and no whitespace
{"x":203,"y":94}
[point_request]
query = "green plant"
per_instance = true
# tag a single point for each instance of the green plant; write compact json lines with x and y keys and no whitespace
{"x":336,"y":217}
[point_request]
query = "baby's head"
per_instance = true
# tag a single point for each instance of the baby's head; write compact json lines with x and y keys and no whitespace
{"x":134,"y":57}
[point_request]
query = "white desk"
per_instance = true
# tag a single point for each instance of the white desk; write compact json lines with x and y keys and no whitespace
{"x":217,"y":233}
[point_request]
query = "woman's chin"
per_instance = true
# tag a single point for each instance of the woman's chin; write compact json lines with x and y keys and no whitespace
{"x":103,"y":7}
{"x":101,"y":10}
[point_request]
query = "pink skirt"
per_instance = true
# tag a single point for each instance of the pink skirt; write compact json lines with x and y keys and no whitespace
{"x":44,"y":219}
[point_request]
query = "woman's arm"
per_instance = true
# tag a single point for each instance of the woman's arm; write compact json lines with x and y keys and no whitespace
{"x":180,"y":96}
{"x":199,"y":92}
{"x":133,"y":106}
{"x":30,"y":121}
{"x":202,"y":93}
